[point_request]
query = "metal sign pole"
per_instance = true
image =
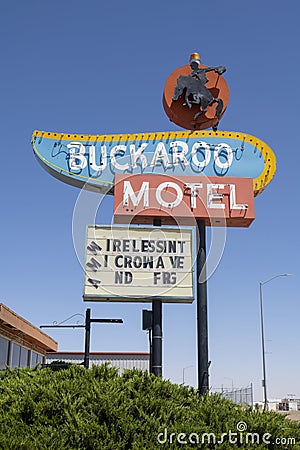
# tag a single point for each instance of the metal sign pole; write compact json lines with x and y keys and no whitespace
{"x":86,"y":361}
{"x":156,"y":354}
{"x":202,"y":329}
{"x":157,"y":337}
{"x":150,"y":351}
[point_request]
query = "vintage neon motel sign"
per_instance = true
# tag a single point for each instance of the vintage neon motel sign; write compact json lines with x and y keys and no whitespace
{"x":94,"y":160}
{"x":211,"y":175}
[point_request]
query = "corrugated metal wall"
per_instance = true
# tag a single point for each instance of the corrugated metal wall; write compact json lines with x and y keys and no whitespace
{"x":120,"y":360}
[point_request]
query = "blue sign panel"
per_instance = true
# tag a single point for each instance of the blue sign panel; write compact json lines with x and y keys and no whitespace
{"x":94,"y":160}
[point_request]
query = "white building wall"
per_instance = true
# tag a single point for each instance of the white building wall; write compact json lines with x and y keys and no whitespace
{"x":293,"y":406}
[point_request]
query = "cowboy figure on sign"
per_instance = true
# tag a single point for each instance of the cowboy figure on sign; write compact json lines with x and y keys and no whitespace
{"x":195,"y":90}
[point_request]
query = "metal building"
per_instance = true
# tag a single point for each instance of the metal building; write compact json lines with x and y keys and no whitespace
{"x":130,"y":360}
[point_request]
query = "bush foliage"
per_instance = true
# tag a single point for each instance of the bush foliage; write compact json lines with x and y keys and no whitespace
{"x":75,"y":408}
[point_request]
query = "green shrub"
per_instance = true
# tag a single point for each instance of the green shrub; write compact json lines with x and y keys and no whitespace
{"x":96,"y":409}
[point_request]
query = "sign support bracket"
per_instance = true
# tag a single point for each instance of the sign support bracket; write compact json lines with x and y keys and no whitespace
{"x":87,"y":327}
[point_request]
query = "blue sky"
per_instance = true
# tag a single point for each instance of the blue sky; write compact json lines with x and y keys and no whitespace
{"x":100,"y":68}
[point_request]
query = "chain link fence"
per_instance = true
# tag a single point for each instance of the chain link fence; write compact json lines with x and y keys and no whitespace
{"x":241,"y":396}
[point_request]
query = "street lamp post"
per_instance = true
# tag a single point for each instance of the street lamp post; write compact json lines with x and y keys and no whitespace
{"x":264,"y":381}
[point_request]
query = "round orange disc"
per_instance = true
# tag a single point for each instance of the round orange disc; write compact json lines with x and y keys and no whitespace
{"x":184,"y":116}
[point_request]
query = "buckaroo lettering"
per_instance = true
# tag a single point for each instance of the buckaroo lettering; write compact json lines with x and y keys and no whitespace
{"x":126,"y":157}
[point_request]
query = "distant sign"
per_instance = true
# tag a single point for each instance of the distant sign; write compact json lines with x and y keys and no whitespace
{"x":94,"y":160}
{"x":218,"y":201}
{"x":137,"y":264}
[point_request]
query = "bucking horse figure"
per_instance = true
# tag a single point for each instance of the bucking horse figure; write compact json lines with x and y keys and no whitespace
{"x":195,"y":90}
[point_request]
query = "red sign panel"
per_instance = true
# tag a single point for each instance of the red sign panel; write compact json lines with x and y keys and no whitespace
{"x":218,"y":201}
